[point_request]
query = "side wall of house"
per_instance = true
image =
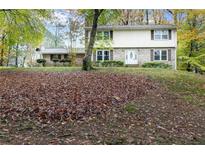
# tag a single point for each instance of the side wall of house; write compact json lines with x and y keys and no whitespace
{"x":79,"y":59}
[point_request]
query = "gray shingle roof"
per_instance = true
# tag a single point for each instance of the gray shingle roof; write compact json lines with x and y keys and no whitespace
{"x":61,"y":51}
{"x":135,"y":27}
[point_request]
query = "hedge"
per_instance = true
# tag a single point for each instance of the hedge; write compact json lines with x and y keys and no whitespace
{"x":109,"y":63}
{"x":156,"y":65}
{"x":41,"y":61}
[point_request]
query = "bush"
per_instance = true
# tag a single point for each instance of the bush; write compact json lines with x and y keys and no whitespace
{"x":156,"y":65}
{"x":196,"y":64}
{"x":109,"y":63}
{"x":55,"y":61}
{"x":41,"y":61}
{"x":65,"y":61}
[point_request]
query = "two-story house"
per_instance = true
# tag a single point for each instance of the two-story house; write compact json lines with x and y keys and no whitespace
{"x":135,"y":45}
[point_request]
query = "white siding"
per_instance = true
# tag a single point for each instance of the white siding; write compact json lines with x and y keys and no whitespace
{"x":140,"y":38}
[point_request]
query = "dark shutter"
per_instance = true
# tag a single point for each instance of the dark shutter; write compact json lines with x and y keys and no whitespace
{"x":170,"y":34}
{"x":169,"y":55}
{"x":151,"y":54}
{"x":94,"y":56}
{"x":51,"y":57}
{"x":111,"y":35}
{"x":111,"y":54}
{"x":152,"y":34}
{"x":59,"y":56}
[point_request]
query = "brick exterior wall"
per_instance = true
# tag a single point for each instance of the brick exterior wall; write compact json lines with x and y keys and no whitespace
{"x":144,"y":55}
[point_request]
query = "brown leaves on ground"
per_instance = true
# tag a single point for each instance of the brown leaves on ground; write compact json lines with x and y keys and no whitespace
{"x":58,"y":96}
{"x":93,"y":108}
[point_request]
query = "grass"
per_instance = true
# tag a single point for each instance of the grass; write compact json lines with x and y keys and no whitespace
{"x":190,"y":86}
{"x":42,"y":69}
{"x":131,"y":108}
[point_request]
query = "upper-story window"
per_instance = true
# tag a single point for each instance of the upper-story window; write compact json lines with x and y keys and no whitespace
{"x":161,"y":35}
{"x":103,"y":35}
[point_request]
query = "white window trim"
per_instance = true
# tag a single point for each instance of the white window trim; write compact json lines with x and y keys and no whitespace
{"x":161,"y":39}
{"x":96,"y":56}
{"x":160,"y":54}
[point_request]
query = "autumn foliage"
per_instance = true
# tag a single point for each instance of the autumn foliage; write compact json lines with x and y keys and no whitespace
{"x":55,"y":96}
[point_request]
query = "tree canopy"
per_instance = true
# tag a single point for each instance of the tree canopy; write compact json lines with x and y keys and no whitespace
{"x":20,"y":28}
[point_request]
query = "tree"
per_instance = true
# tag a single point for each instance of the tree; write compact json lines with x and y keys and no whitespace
{"x":20,"y":28}
{"x":131,"y":17}
{"x":93,"y":18}
{"x":191,"y":35}
{"x":87,"y":59}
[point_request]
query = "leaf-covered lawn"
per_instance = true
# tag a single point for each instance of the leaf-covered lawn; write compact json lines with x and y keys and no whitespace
{"x":107,"y":106}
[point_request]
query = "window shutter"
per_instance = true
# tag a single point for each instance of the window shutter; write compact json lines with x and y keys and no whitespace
{"x":170,"y":34}
{"x":169,"y":55}
{"x":111,"y":54}
{"x":152,"y":34}
{"x":152,"y":54}
{"x":94,"y":56}
{"x":111,"y":35}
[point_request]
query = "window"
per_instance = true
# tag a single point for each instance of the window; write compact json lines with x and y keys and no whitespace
{"x":106,"y":55}
{"x":157,"y":55}
{"x":160,"y":54}
{"x":106,"y":35}
{"x":164,"y":55}
{"x":161,"y":34}
{"x":54,"y":56}
{"x":103,"y":35}
{"x":164,"y":34}
{"x":65,"y":56}
{"x":103,"y":55}
{"x":99,"y":55}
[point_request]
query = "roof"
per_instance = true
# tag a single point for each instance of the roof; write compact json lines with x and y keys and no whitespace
{"x":54,"y":51}
{"x":135,"y":27}
{"x":60,"y":51}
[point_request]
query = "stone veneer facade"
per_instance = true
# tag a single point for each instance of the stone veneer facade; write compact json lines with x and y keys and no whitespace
{"x":144,"y":55}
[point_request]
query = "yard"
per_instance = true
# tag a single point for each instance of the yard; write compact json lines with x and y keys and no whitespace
{"x":60,"y":105}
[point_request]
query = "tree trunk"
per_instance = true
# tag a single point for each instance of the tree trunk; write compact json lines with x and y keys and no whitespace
{"x":24,"y":59}
{"x":2,"y":57}
{"x":147,"y":16}
{"x":16,"y":61}
{"x":8,"y":57}
{"x":2,"y":51}
{"x":190,"y":54}
{"x":87,"y":59}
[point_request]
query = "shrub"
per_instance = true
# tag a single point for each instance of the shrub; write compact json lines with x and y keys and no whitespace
{"x":197,"y":64}
{"x":156,"y":65}
{"x":41,"y":61}
{"x":65,"y":61}
{"x":109,"y":63}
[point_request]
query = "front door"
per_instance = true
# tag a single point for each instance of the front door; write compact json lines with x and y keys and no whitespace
{"x":131,"y":57}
